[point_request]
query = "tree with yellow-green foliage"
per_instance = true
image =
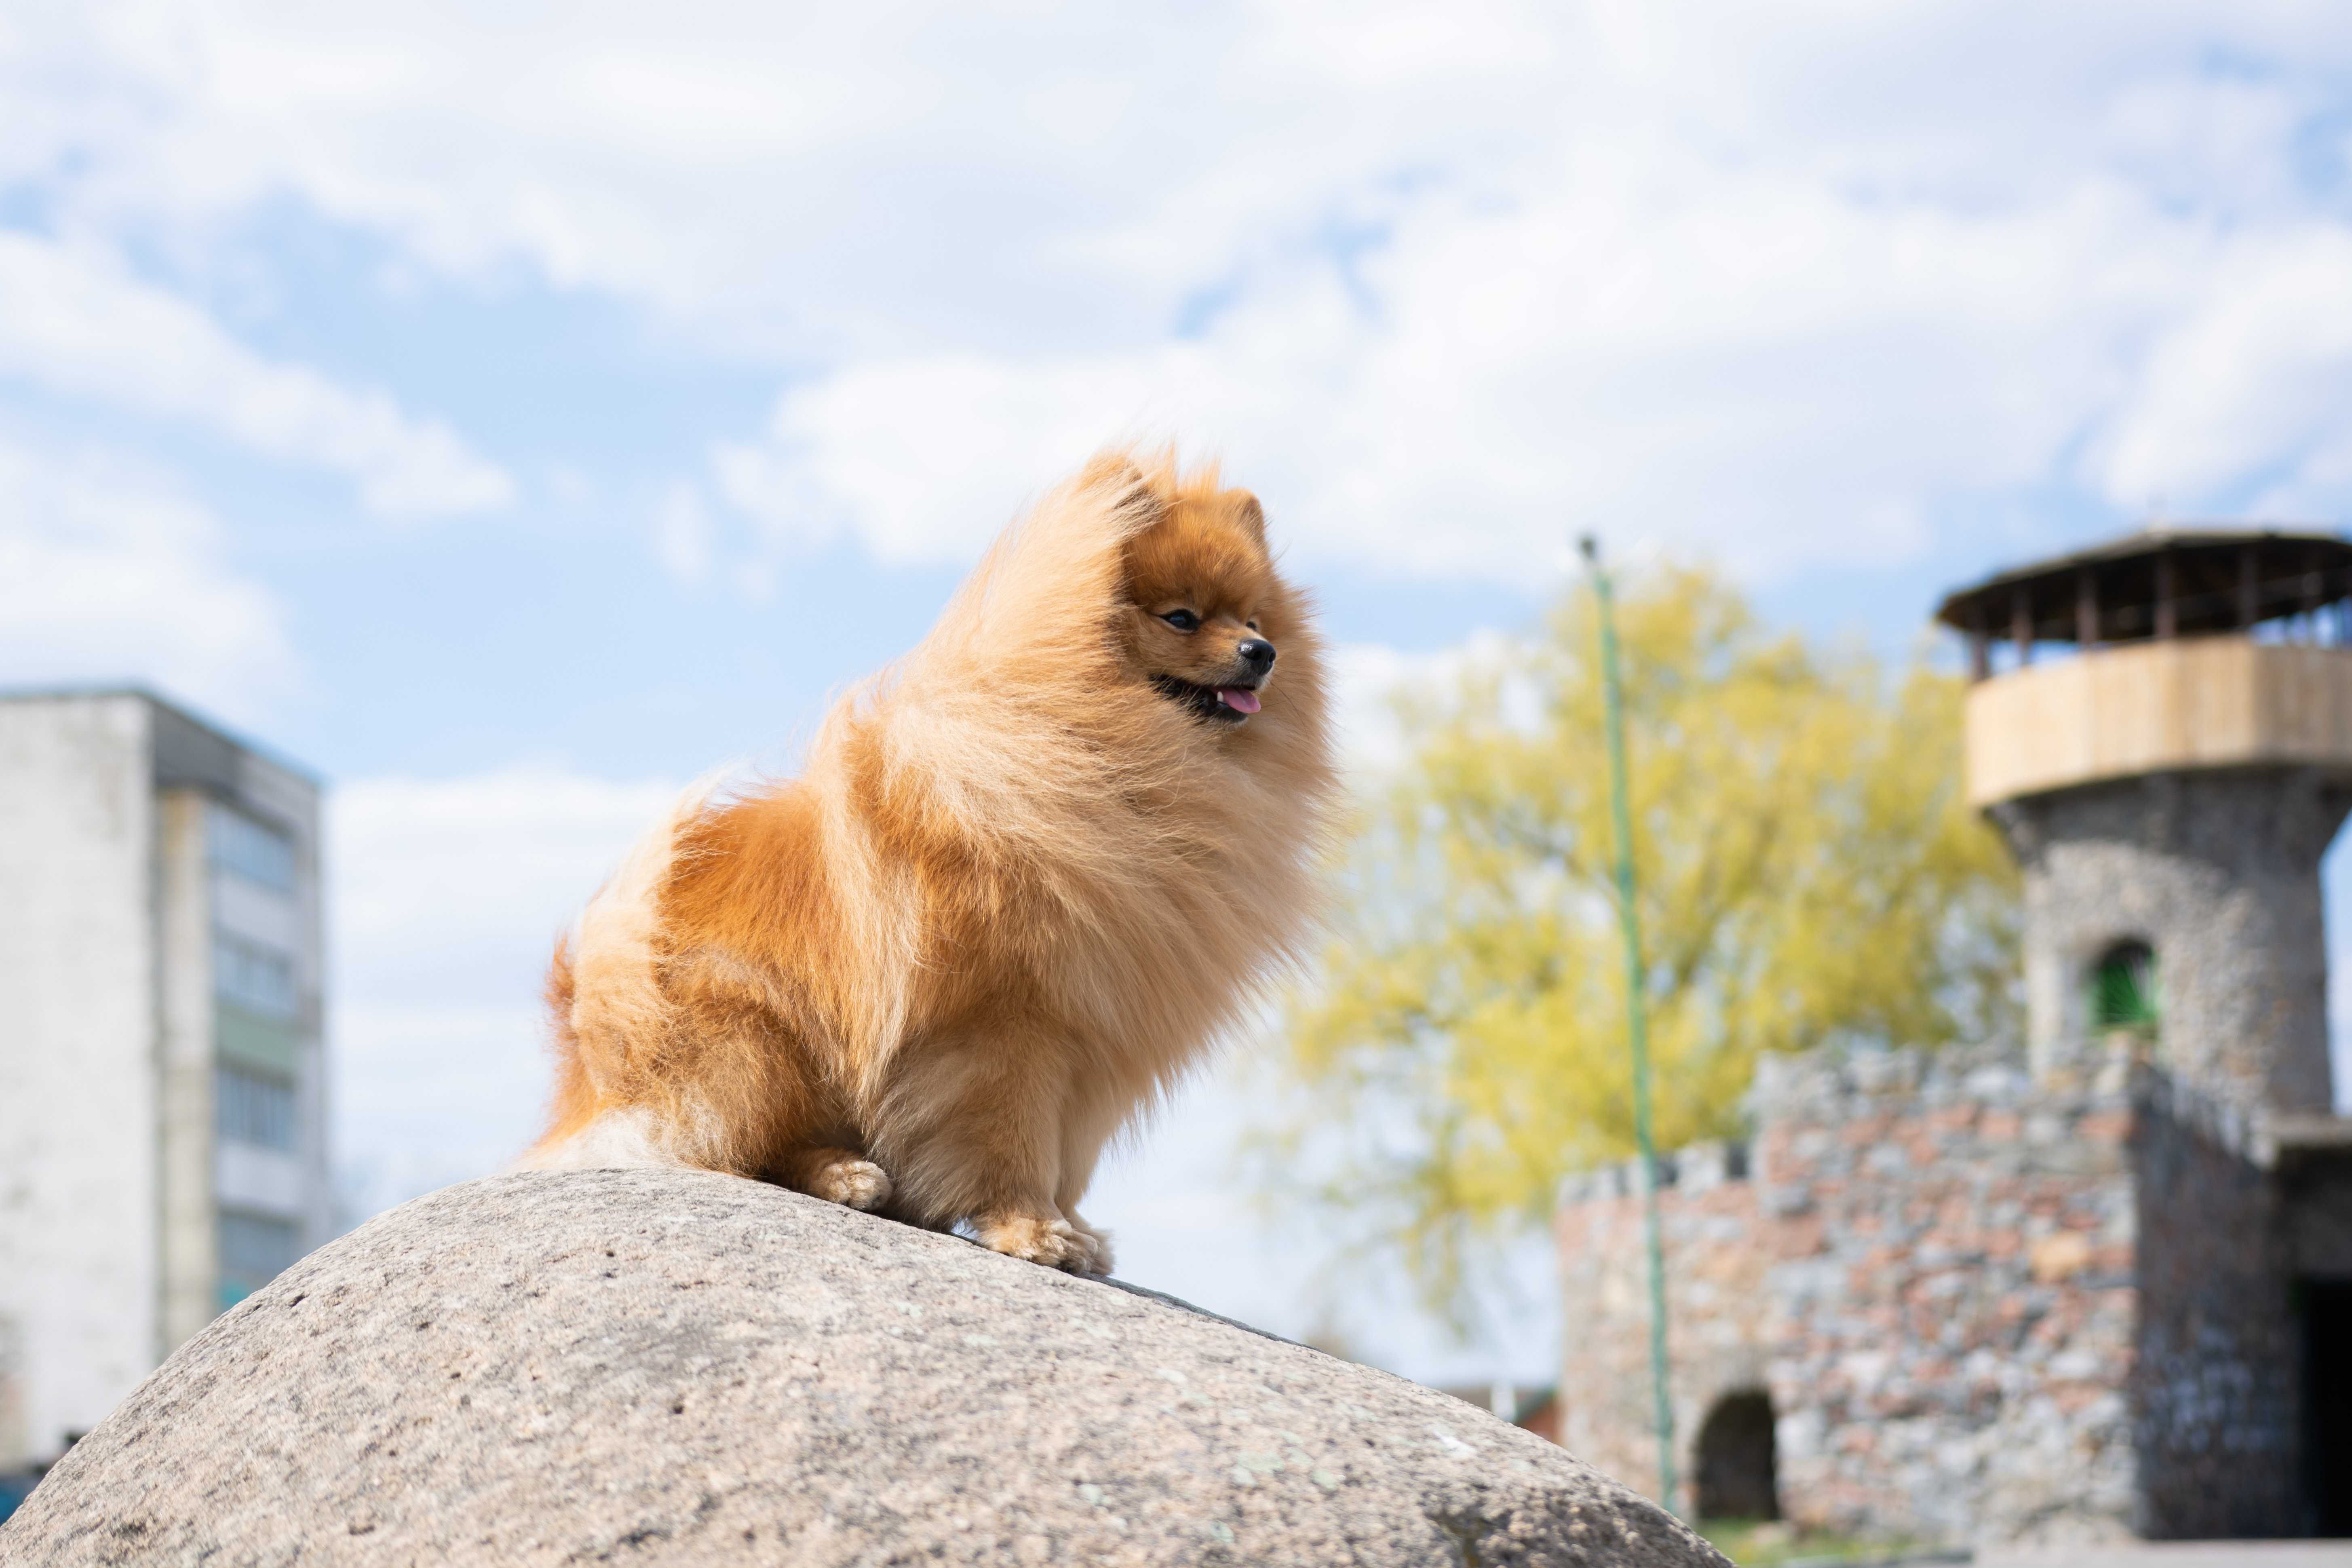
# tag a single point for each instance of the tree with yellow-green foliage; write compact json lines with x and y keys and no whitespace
{"x":1810,"y":874}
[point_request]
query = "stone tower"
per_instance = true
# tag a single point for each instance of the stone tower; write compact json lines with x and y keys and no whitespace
{"x":2101,"y":1289}
{"x":2168,"y":791}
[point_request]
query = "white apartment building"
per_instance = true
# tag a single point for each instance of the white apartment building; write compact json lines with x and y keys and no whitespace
{"x":162,"y":1093}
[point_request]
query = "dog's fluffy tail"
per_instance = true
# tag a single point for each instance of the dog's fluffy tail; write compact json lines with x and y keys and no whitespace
{"x":604,"y":991}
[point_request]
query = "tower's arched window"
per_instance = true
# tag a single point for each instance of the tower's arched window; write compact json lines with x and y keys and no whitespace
{"x":1735,"y":1461}
{"x":2122,"y":989}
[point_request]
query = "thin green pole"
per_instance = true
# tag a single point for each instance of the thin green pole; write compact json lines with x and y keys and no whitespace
{"x":1637,"y":1021}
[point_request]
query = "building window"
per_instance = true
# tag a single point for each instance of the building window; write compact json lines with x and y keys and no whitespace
{"x":251,"y":1108}
{"x":2122,"y":989}
{"x":1737,"y":1463}
{"x":238,"y":843}
{"x":256,"y":978}
{"x":254,"y":1250}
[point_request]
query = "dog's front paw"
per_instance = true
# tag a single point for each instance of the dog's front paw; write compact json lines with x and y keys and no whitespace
{"x":1097,"y":1258}
{"x":852,"y":1183}
{"x":1036,"y":1239}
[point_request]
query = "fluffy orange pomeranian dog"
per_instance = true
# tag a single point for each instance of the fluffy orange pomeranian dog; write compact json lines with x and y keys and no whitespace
{"x":1028,"y":876}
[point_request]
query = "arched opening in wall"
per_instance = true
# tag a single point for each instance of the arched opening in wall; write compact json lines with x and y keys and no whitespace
{"x":1736,"y":1466}
{"x":2123,"y":992}
{"x":2327,"y":1312}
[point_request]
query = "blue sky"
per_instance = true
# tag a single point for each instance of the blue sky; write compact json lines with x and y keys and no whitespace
{"x":513,"y":414}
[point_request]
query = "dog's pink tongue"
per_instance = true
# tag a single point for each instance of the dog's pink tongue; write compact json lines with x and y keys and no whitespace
{"x":1240,"y":698}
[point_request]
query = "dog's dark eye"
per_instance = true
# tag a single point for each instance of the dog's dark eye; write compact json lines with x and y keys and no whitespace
{"x":1182,"y":620}
{"x":1252,"y":624}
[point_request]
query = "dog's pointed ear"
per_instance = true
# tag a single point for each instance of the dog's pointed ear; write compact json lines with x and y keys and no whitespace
{"x":1251,"y":516}
{"x":1126,"y":488}
{"x":1111,"y":471}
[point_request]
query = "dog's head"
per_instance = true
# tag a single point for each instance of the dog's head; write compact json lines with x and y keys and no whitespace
{"x":1208,"y":615}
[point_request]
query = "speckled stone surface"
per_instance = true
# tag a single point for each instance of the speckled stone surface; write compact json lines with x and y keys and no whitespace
{"x":678,"y":1368}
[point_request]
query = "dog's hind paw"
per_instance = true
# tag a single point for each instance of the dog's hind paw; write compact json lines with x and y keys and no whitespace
{"x":849,"y":1179}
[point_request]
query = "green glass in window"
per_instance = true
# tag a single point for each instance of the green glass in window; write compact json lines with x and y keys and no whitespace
{"x":254,"y":1249}
{"x":248,"y":1039}
{"x":2122,"y":989}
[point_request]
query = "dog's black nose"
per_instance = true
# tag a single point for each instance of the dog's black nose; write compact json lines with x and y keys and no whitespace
{"x":1257,"y":653}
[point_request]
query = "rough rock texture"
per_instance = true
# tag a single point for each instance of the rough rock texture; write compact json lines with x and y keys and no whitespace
{"x":674,"y":1368}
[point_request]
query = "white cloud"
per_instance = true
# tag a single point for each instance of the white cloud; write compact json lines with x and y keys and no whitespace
{"x":1753,"y":372}
{"x":924,"y":460}
{"x":1184,"y":1221}
{"x":1369,"y":678}
{"x":1366,"y":679}
{"x":1775,"y":315}
{"x":429,"y":1095}
{"x":2254,"y":382}
{"x":109,"y":571}
{"x":1789,"y":286}
{"x":449,"y":894}
{"x":74,"y":320}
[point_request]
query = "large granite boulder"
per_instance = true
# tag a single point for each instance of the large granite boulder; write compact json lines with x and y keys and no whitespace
{"x":665,"y":1368}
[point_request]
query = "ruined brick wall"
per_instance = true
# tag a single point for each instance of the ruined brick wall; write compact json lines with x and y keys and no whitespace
{"x":1953,"y":1315}
{"x":1930,"y":1272}
{"x":1716,"y":1261}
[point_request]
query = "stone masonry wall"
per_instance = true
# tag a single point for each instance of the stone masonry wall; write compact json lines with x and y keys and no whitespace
{"x":2218,"y":871}
{"x":1953,"y":1344}
{"x":1716,"y":1258}
{"x":1930,"y":1272}
{"x":2316,"y":1189}
{"x":2217,"y":1404}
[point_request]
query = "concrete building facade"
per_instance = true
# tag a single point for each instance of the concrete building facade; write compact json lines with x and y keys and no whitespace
{"x":163,"y":1134}
{"x":2096,"y":1283}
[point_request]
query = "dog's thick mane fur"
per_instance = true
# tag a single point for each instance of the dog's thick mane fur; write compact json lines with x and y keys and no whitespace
{"x":1008,"y":871}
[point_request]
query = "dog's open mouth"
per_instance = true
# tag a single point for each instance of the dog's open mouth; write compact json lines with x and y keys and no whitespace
{"x":1219,"y":704}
